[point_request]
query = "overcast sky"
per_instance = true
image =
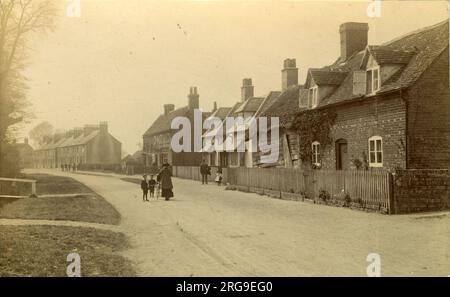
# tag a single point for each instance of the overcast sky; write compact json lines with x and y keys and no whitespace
{"x":123,"y":59}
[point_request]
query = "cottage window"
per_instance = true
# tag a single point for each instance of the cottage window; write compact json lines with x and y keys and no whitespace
{"x":372,"y":80}
{"x":312,"y":96}
{"x":375,"y":151}
{"x":316,"y":153}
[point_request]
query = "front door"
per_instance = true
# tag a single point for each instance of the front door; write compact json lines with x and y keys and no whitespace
{"x":341,"y":155}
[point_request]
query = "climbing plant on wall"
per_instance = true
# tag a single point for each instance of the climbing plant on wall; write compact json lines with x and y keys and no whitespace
{"x":313,"y":125}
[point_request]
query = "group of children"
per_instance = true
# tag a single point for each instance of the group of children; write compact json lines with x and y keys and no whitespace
{"x":149,"y":185}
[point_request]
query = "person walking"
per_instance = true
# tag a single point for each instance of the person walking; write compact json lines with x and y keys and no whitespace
{"x":165,"y":177}
{"x":144,"y":187}
{"x":205,"y":170}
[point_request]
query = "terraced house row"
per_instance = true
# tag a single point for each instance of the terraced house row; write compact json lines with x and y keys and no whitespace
{"x":377,"y":106}
{"x":90,"y":145}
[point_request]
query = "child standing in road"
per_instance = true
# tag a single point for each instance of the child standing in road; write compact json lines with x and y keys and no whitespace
{"x":218,"y":179}
{"x":151,"y":186}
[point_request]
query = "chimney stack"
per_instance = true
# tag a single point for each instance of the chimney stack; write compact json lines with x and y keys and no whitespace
{"x":289,"y":74}
{"x":168,"y":108}
{"x":103,"y":126}
{"x":88,"y":129}
{"x":354,"y":38}
{"x":25,"y":140}
{"x":247,"y":89}
{"x":78,"y":132}
{"x":193,"y":99}
{"x":214,"y":106}
{"x":69,"y":133}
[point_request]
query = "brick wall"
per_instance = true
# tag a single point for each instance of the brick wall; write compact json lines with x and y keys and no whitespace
{"x":429,"y":117}
{"x":421,"y":190}
{"x":359,"y":121}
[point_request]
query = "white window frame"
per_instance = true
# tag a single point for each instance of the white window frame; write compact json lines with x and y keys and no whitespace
{"x":313,"y":96}
{"x":375,"y":80}
{"x":315,"y":149}
{"x":377,"y":162}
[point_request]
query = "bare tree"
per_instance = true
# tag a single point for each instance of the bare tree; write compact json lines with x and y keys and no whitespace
{"x":40,"y":132}
{"x":19,"y":19}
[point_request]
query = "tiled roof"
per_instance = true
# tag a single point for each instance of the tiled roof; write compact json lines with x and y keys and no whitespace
{"x":268,"y":101}
{"x":429,"y":42}
{"x":250,"y":105}
{"x":327,"y":76}
{"x":389,"y":55}
{"x":221,"y":112}
{"x":139,"y":156}
{"x":285,"y":106}
{"x":70,"y":141}
{"x":130,"y":160}
{"x":163,"y":122}
{"x":420,"y":48}
{"x":23,"y":146}
{"x":82,"y":139}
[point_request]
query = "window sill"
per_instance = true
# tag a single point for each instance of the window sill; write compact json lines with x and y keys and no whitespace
{"x":373,"y":93}
{"x":376,"y":165}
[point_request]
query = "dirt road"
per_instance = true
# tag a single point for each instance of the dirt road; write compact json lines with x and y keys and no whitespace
{"x":207,"y":231}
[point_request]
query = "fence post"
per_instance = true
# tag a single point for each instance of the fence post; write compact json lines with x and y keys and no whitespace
{"x":33,"y":189}
{"x":391,"y":199}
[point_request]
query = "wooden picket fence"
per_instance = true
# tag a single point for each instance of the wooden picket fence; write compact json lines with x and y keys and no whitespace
{"x":370,"y":188}
{"x":193,"y":172}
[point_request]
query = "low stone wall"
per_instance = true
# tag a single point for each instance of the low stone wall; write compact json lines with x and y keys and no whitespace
{"x":421,"y":190}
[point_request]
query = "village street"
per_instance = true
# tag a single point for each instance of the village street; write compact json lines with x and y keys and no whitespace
{"x":208,"y":231}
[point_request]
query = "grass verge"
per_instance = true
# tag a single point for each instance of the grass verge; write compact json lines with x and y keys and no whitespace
{"x":51,"y":184}
{"x":90,"y":208}
{"x":87,"y":207}
{"x":43,"y":250}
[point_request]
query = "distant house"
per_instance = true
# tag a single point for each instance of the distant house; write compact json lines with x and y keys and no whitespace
{"x":139,"y":156}
{"x":25,"y":152}
{"x":129,"y":164}
{"x":91,"y":145}
{"x":390,"y":101}
{"x":157,"y":138}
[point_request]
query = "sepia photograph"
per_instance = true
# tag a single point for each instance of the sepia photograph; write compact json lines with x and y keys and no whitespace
{"x":238,"y":140}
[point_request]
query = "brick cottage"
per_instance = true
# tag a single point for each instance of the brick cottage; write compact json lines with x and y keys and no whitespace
{"x":157,"y":138}
{"x":390,"y":102}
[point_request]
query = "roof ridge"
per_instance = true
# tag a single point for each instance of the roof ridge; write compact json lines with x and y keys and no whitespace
{"x":420,"y":30}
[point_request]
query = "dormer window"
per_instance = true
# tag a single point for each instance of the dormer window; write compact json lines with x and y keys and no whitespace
{"x":313,"y":96}
{"x":372,"y":80}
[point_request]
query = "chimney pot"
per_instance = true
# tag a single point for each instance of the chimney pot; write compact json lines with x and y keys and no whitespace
{"x":289,"y":74}
{"x":103,"y":126}
{"x":193,"y":99}
{"x":247,"y":89}
{"x":354,"y":37}
{"x":168,"y":108}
